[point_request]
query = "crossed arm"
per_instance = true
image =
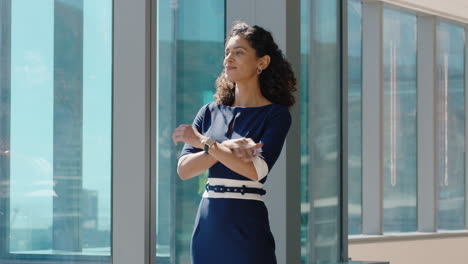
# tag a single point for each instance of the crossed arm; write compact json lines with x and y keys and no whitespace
{"x":236,"y":154}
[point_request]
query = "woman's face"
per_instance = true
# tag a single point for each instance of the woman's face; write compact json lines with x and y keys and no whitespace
{"x":240,"y":60}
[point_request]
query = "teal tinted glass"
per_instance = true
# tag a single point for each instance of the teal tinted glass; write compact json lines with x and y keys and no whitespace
{"x":399,"y":121}
{"x":320,"y":131}
{"x":55,"y":133}
{"x":305,"y":206}
{"x":450,"y":126}
{"x":190,"y":50}
{"x":354,"y":117}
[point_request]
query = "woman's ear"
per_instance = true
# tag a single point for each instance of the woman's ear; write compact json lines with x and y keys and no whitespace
{"x":264,"y":61}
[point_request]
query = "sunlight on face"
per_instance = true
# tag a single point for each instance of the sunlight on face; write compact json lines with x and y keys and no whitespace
{"x":240,"y":60}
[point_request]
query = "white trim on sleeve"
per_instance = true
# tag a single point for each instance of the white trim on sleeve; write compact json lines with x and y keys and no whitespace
{"x":179,"y":162}
{"x":261,"y":167}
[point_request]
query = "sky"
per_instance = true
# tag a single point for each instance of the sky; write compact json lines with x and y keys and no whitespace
{"x":32,"y":110}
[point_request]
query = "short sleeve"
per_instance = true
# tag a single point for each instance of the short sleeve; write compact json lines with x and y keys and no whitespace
{"x":198,"y":124}
{"x":274,"y":136}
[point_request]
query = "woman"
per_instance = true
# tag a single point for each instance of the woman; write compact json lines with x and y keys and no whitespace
{"x":238,"y":139}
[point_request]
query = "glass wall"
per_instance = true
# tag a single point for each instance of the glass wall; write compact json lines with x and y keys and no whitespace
{"x":305,"y":205}
{"x":450,"y":142}
{"x":190,"y":53}
{"x":399,"y":121}
{"x":354,"y":117}
{"x":320,"y":131}
{"x":55,"y":138}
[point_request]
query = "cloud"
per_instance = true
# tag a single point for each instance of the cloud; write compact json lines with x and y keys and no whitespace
{"x":42,"y":193}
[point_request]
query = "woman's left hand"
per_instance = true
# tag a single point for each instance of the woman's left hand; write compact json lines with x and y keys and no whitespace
{"x":244,"y":148}
{"x":187,"y":134}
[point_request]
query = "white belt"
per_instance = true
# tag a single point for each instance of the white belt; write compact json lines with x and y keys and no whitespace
{"x":233,"y":183}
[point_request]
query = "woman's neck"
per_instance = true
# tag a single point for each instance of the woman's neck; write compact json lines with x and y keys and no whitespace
{"x":249,"y":95}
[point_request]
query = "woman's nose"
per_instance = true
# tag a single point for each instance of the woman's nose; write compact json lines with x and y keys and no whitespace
{"x":228,"y":57}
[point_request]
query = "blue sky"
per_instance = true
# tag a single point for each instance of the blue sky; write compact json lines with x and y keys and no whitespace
{"x":32,"y":88}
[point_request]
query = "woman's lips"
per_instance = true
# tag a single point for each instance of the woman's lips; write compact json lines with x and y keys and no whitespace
{"x":228,"y":68}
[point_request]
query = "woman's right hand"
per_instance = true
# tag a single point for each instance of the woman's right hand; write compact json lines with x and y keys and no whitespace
{"x":187,"y":134}
{"x":244,"y":148}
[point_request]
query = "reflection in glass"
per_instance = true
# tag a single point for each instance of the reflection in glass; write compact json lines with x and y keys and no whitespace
{"x":305,"y":206}
{"x":354,"y":117}
{"x":57,"y":172}
{"x":399,"y":115}
{"x":190,"y":50}
{"x":320,"y":132}
{"x":450,"y":126}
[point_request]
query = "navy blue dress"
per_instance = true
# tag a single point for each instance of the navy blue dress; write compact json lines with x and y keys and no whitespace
{"x":231,"y":230}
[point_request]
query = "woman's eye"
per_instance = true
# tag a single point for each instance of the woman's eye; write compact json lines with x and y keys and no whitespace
{"x":236,"y":53}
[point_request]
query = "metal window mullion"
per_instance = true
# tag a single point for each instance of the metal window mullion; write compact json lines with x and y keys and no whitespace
{"x":426,"y":123}
{"x":343,"y":35}
{"x":466,"y":127}
{"x":5,"y":120}
{"x":131,"y":142}
{"x":293,"y":156}
{"x":311,"y":249}
{"x":153,"y":42}
{"x":372,"y":119}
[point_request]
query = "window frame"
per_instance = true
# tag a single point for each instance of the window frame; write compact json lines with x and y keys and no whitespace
{"x":5,"y":255}
{"x":426,"y":189}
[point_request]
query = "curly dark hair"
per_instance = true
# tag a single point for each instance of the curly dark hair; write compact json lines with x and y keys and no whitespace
{"x":277,"y":81}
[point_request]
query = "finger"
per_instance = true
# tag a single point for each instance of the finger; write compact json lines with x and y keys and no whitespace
{"x":229,"y":145}
{"x":247,"y":154}
{"x":250,"y":143}
{"x":254,"y":148}
{"x":237,"y":152}
{"x":179,"y":136}
{"x":181,"y":128}
{"x":257,"y":149}
{"x":174,"y":139}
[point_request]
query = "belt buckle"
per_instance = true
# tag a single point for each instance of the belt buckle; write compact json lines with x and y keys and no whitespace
{"x":243,"y":189}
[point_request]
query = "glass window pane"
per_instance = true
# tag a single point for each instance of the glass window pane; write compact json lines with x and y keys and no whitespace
{"x":305,"y":205}
{"x":56,"y":130}
{"x":450,"y":126}
{"x":190,"y":52}
{"x":399,"y":117}
{"x":320,"y":132}
{"x":354,"y":117}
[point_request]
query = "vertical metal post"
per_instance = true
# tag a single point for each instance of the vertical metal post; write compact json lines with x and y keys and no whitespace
{"x":343,"y":42}
{"x":131,"y":153}
{"x":427,"y":165}
{"x":153,"y":121}
{"x":5,"y":112}
{"x":372,"y":124}
{"x":466,"y":127}
{"x":293,"y":146}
